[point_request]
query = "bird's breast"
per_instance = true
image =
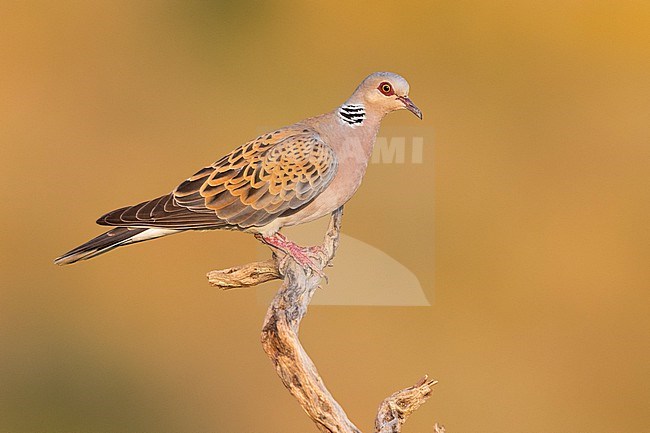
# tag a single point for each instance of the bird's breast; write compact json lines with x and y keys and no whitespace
{"x":353,"y":148}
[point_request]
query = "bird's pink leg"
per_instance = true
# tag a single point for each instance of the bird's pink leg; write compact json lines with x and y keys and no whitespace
{"x":298,"y":253}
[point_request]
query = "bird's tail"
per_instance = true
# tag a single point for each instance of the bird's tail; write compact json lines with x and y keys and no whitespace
{"x":111,"y":239}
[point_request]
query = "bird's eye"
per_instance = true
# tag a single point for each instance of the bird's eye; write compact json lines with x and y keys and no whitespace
{"x":386,"y":89}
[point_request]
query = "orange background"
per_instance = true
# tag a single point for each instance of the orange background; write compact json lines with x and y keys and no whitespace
{"x":526,"y":224}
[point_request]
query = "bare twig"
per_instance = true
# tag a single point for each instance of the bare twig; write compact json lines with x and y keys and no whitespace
{"x":248,"y":275}
{"x":281,"y":344}
{"x":394,"y":410}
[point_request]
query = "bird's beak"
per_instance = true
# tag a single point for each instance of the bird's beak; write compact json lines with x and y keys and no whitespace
{"x":409,"y":105}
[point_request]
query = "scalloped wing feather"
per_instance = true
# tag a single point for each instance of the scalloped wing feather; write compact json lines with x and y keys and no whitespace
{"x":275,"y":174}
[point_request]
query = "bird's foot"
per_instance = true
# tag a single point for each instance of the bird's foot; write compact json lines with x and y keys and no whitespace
{"x":306,"y":257}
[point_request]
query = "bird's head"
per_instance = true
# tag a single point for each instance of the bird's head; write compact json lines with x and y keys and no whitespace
{"x":385,"y":92}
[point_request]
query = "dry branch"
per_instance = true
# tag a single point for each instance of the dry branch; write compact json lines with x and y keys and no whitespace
{"x":248,"y":275}
{"x":281,"y":344}
{"x":394,"y":410}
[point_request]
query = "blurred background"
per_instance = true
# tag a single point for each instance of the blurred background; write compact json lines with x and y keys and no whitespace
{"x":526,"y":224}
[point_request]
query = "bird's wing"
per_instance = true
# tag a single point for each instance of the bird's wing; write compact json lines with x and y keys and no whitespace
{"x":271,"y":176}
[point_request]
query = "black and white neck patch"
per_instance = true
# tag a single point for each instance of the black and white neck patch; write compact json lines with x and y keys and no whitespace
{"x":352,"y":114}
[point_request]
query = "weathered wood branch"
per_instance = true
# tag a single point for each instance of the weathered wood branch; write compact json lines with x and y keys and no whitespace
{"x":281,"y":344}
{"x":248,"y":275}
{"x":394,"y":410}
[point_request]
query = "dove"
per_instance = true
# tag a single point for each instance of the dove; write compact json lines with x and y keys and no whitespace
{"x":289,"y":176}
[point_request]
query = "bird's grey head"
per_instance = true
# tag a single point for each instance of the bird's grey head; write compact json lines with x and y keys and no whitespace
{"x":383,"y":92}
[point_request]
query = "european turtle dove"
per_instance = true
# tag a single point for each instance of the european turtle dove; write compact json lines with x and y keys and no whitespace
{"x":289,"y":176}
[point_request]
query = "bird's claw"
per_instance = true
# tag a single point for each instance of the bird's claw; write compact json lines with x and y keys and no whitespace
{"x":306,"y":257}
{"x":302,"y":257}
